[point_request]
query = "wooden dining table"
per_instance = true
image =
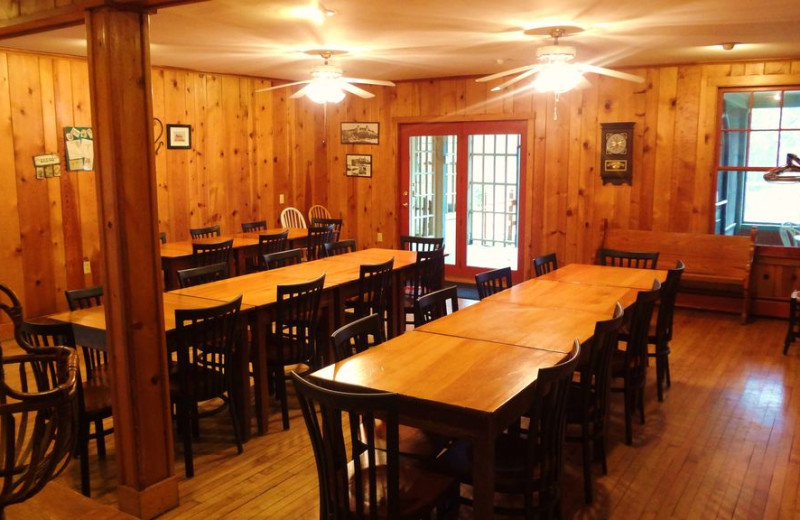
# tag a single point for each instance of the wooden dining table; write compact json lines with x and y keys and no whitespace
{"x":178,"y":255}
{"x":472,"y":373}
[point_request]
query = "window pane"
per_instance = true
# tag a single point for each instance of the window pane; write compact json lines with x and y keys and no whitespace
{"x":790,"y":143}
{"x":770,"y":202}
{"x":766,"y":113}
{"x":791,"y":109}
{"x":733,"y":148}
{"x":763,"y":149}
{"x":736,"y":106}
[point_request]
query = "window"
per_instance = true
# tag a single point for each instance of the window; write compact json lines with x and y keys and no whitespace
{"x":758,"y":128}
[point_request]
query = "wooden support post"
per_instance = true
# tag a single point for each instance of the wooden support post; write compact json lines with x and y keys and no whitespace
{"x":122,"y":115}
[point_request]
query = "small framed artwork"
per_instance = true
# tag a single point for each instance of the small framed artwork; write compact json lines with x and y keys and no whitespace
{"x":179,"y":137}
{"x":360,"y":133}
{"x":359,"y":165}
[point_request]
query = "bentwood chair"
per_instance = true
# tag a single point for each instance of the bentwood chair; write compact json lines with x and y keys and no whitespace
{"x":213,"y":253}
{"x":412,"y":243}
{"x":292,"y":218}
{"x":207,"y":343}
{"x":293,"y":335}
{"x":251,"y":227}
{"x":433,"y":305}
{"x":493,"y":281}
{"x":335,"y":222}
{"x":203,"y":274}
{"x":204,"y":232}
{"x":427,"y":276}
{"x":318,"y":236}
{"x":528,"y":461}
{"x":341,"y":247}
{"x":587,"y":403}
{"x":630,"y":366}
{"x":267,"y":243}
{"x":94,"y":395}
{"x":358,"y":480}
{"x":794,"y":322}
{"x":318,"y":211}
{"x":618,"y":258}
{"x":282,"y":259}
{"x":544,"y":264}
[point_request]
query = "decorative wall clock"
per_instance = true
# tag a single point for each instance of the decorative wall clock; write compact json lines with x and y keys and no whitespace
{"x":616,"y":157}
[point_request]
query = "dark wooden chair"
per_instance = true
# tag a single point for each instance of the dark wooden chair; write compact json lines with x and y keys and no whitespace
{"x":618,"y":258}
{"x":268,"y":243}
{"x":587,"y":403}
{"x":794,"y":322}
{"x":282,"y":259}
{"x":370,"y":482}
{"x":203,"y":274}
{"x":544,"y":264}
{"x":37,"y":415}
{"x":94,"y":395}
{"x":293,"y":336}
{"x":357,"y":336}
{"x":204,"y":232}
{"x":660,"y":335}
{"x":341,"y":247}
{"x":212,"y":253}
{"x":251,"y":227}
{"x":433,"y":305}
{"x":318,"y":236}
{"x":427,"y":276}
{"x":493,"y":281}
{"x":374,"y":290}
{"x":412,"y":243}
{"x":630,"y":366}
{"x":84,"y":298}
{"x":335,"y":222}
{"x":528,"y":461}
{"x":207,"y":343}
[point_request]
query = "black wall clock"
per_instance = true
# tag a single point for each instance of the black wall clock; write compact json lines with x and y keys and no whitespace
{"x":616,"y":153}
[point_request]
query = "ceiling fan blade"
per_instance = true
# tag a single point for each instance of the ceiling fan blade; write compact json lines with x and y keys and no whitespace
{"x":533,"y":70}
{"x":300,"y":93}
{"x":506,"y":73}
{"x":369,"y":82}
{"x":358,"y":91}
{"x":276,"y":87}
{"x":613,"y":73}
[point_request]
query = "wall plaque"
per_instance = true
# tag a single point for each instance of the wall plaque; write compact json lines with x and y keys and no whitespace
{"x":616,"y":157}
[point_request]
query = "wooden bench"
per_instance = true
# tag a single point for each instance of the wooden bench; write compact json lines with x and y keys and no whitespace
{"x":716,"y":265}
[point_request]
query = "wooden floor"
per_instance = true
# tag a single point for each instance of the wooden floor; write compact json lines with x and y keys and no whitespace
{"x":722,"y":445}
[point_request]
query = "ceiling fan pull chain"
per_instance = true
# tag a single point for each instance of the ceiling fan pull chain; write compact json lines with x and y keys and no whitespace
{"x":555,"y":108}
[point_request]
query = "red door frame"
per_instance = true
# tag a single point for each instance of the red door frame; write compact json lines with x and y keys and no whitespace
{"x":462,"y":130}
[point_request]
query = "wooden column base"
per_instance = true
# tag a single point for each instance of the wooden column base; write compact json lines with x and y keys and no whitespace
{"x":151,"y":501}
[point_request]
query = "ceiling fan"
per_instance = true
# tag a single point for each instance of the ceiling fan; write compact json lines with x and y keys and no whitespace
{"x":327,"y":85}
{"x":556,"y":71}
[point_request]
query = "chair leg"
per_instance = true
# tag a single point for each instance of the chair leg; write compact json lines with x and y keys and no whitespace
{"x":587,"y":466}
{"x":185,"y":417}
{"x":237,"y":433}
{"x":640,"y":394}
{"x":100,"y":438}
{"x":280,"y":391}
{"x":628,"y":414}
{"x":660,"y":377}
{"x":83,"y":450}
{"x":600,"y":449}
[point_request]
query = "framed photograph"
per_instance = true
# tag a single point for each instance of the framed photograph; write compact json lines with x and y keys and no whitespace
{"x":360,"y":133}
{"x":359,"y":165}
{"x":179,"y":136}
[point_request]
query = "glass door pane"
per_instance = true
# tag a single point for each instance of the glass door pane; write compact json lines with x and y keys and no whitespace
{"x":493,"y":209}
{"x":432,"y":189}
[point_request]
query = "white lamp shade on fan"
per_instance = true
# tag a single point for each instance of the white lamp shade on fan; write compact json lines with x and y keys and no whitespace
{"x":557,"y":77}
{"x":325,"y":90}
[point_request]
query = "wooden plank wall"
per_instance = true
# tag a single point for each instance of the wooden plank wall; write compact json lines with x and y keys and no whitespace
{"x":249,"y":148}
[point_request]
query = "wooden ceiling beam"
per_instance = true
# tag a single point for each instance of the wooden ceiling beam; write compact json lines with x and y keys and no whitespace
{"x":49,"y":19}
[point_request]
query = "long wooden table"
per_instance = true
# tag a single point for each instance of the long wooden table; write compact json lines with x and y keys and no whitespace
{"x":471,"y":374}
{"x":178,"y":255}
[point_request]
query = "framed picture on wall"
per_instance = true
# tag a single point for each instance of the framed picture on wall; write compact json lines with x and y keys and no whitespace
{"x":360,"y":133}
{"x":359,"y":165}
{"x":179,"y":137}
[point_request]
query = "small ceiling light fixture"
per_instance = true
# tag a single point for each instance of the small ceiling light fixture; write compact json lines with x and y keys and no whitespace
{"x":728,"y":46}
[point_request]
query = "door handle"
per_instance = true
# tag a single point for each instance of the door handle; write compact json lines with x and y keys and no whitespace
{"x":405,"y":204}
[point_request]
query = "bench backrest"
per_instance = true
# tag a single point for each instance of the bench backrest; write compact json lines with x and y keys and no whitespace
{"x":721,"y":256}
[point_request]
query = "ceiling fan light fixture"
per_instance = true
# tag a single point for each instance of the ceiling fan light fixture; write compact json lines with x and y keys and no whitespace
{"x":325,"y":90}
{"x":557,"y":77}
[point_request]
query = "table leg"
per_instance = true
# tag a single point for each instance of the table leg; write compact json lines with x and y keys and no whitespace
{"x":259,"y":360}
{"x":242,"y":382}
{"x":483,"y":477}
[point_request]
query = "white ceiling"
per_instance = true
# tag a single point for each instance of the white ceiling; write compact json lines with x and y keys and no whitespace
{"x":410,"y":39}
